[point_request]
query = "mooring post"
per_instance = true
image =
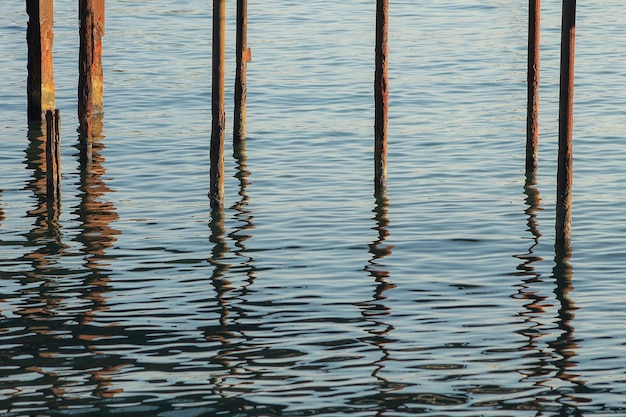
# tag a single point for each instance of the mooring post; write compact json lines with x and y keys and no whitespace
{"x":243,"y":57}
{"x":97,"y":73}
{"x":91,"y":18}
{"x":381,"y":95}
{"x":53,"y":155}
{"x":216,"y":191}
{"x":566,"y":122}
{"x":39,"y":37}
{"x":532,"y":118}
{"x":85,"y":60}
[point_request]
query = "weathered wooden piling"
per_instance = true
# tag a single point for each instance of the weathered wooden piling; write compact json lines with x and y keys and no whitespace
{"x":532,"y":118}
{"x":97,"y":73}
{"x":566,"y":123}
{"x":40,"y":37}
{"x":90,"y":78}
{"x":85,"y":59}
{"x":216,"y":190}
{"x":243,"y":57}
{"x":53,"y":155}
{"x":381,"y":95}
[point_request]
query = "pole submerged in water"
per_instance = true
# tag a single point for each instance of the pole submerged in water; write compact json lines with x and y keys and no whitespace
{"x":218,"y":113}
{"x":532,"y":119}
{"x":97,"y":73}
{"x":566,"y":123}
{"x":85,"y":54}
{"x":53,"y":155}
{"x":243,"y":57}
{"x":39,"y":37}
{"x":381,"y":95}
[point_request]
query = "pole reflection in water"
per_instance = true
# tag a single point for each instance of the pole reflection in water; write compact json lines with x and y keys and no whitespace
{"x":96,"y":235}
{"x":532,"y":282}
{"x":2,"y":215}
{"x":220,"y":249}
{"x":230,"y":332}
{"x":533,"y":200}
{"x":239,"y":235}
{"x":243,"y":215}
{"x":379,"y":249}
{"x":551,"y":359}
{"x":46,"y":235}
{"x":565,"y":344}
{"x":59,"y":297}
{"x":374,"y":310}
{"x":95,"y":213}
{"x":38,"y":324}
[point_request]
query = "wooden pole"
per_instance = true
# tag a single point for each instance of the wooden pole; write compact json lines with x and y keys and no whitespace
{"x":532,"y":119}
{"x":216,"y":191}
{"x":90,"y":79}
{"x":53,"y":155}
{"x":381,"y":96}
{"x":566,"y":122}
{"x":85,"y":80}
{"x":39,"y":37}
{"x":97,"y":73}
{"x":243,"y":57}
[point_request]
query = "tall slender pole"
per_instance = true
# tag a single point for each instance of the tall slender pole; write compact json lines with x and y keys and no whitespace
{"x":216,"y":191}
{"x":532,"y":119}
{"x":381,"y":95}
{"x":39,"y":37}
{"x":566,"y":122}
{"x":85,"y":77}
{"x":243,"y":57}
{"x":53,"y":156}
{"x":97,"y":73}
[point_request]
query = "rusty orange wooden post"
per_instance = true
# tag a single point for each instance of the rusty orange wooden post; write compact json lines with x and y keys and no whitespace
{"x":90,"y":78}
{"x":97,"y":73}
{"x":243,"y":57}
{"x":381,"y":95}
{"x":532,"y":118}
{"x":39,"y":37}
{"x":566,"y":123}
{"x":216,"y":190}
{"x":53,"y":155}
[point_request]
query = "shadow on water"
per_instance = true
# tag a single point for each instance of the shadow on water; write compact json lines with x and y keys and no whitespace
{"x":552,"y":360}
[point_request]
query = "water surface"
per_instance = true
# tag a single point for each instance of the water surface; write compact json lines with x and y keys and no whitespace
{"x":308,"y":294}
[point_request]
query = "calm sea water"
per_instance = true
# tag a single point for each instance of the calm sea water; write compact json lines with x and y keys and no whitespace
{"x":307,"y":295}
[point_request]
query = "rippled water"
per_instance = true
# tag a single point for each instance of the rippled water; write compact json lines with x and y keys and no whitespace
{"x":308,"y":295}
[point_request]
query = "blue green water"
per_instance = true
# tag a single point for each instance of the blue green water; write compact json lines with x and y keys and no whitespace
{"x":307,"y":295}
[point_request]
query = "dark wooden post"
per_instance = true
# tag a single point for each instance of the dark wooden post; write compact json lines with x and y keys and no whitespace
{"x":90,"y":79}
{"x":532,"y":119}
{"x":85,"y":81}
{"x":243,"y":57}
{"x":53,"y":155}
{"x":39,"y":37}
{"x":381,"y":95}
{"x":566,"y":123}
{"x":216,"y":191}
